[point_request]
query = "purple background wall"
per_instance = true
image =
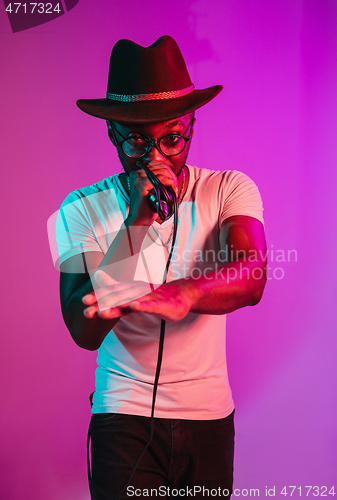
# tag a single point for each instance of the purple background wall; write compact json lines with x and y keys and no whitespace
{"x":276,"y":121}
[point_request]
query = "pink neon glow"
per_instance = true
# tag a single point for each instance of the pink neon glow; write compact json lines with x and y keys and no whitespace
{"x":276,"y":121}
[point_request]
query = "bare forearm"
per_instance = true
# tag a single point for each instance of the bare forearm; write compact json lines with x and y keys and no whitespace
{"x":229,"y":287}
{"x":88,"y":333}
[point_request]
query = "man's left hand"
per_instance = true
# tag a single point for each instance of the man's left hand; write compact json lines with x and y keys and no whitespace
{"x":114,"y":299}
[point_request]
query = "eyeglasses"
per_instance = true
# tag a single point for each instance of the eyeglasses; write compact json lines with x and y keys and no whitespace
{"x":136,"y":146}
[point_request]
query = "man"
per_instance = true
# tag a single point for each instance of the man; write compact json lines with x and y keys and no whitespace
{"x":113,"y":248}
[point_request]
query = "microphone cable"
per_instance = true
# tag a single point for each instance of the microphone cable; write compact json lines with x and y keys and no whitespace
{"x":163,"y":201}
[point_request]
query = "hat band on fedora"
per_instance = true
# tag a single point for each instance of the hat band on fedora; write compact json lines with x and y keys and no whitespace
{"x":150,"y":97}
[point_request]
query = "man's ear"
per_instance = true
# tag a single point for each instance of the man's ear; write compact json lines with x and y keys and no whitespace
{"x":110,"y":133}
{"x":194,"y":120}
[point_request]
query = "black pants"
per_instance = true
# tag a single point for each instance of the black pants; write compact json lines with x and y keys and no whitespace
{"x":186,"y":458}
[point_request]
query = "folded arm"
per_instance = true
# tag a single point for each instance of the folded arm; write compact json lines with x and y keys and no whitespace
{"x":238,"y":283}
{"x":90,"y":315}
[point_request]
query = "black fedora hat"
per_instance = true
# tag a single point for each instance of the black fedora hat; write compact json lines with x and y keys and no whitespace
{"x":147,"y":85}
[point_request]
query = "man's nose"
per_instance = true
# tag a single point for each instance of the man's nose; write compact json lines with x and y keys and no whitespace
{"x":154,"y":152}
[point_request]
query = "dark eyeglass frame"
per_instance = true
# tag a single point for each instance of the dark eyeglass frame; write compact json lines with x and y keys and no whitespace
{"x":153,"y":142}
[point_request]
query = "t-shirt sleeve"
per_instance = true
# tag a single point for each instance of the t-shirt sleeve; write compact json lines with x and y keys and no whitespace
{"x":73,"y":230}
{"x":240,"y":197}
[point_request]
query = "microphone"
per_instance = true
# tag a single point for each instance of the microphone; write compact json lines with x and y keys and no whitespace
{"x":162,"y":198}
{"x":162,"y":206}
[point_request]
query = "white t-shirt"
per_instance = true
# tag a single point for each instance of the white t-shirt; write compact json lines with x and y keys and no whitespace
{"x":193,"y":382}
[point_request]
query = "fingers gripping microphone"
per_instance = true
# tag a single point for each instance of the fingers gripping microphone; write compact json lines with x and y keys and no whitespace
{"x":162,"y":199}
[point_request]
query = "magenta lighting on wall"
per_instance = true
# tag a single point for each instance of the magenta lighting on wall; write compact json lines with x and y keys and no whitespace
{"x":23,"y":16}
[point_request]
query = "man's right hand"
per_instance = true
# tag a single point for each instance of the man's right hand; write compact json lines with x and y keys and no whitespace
{"x":140,"y":212}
